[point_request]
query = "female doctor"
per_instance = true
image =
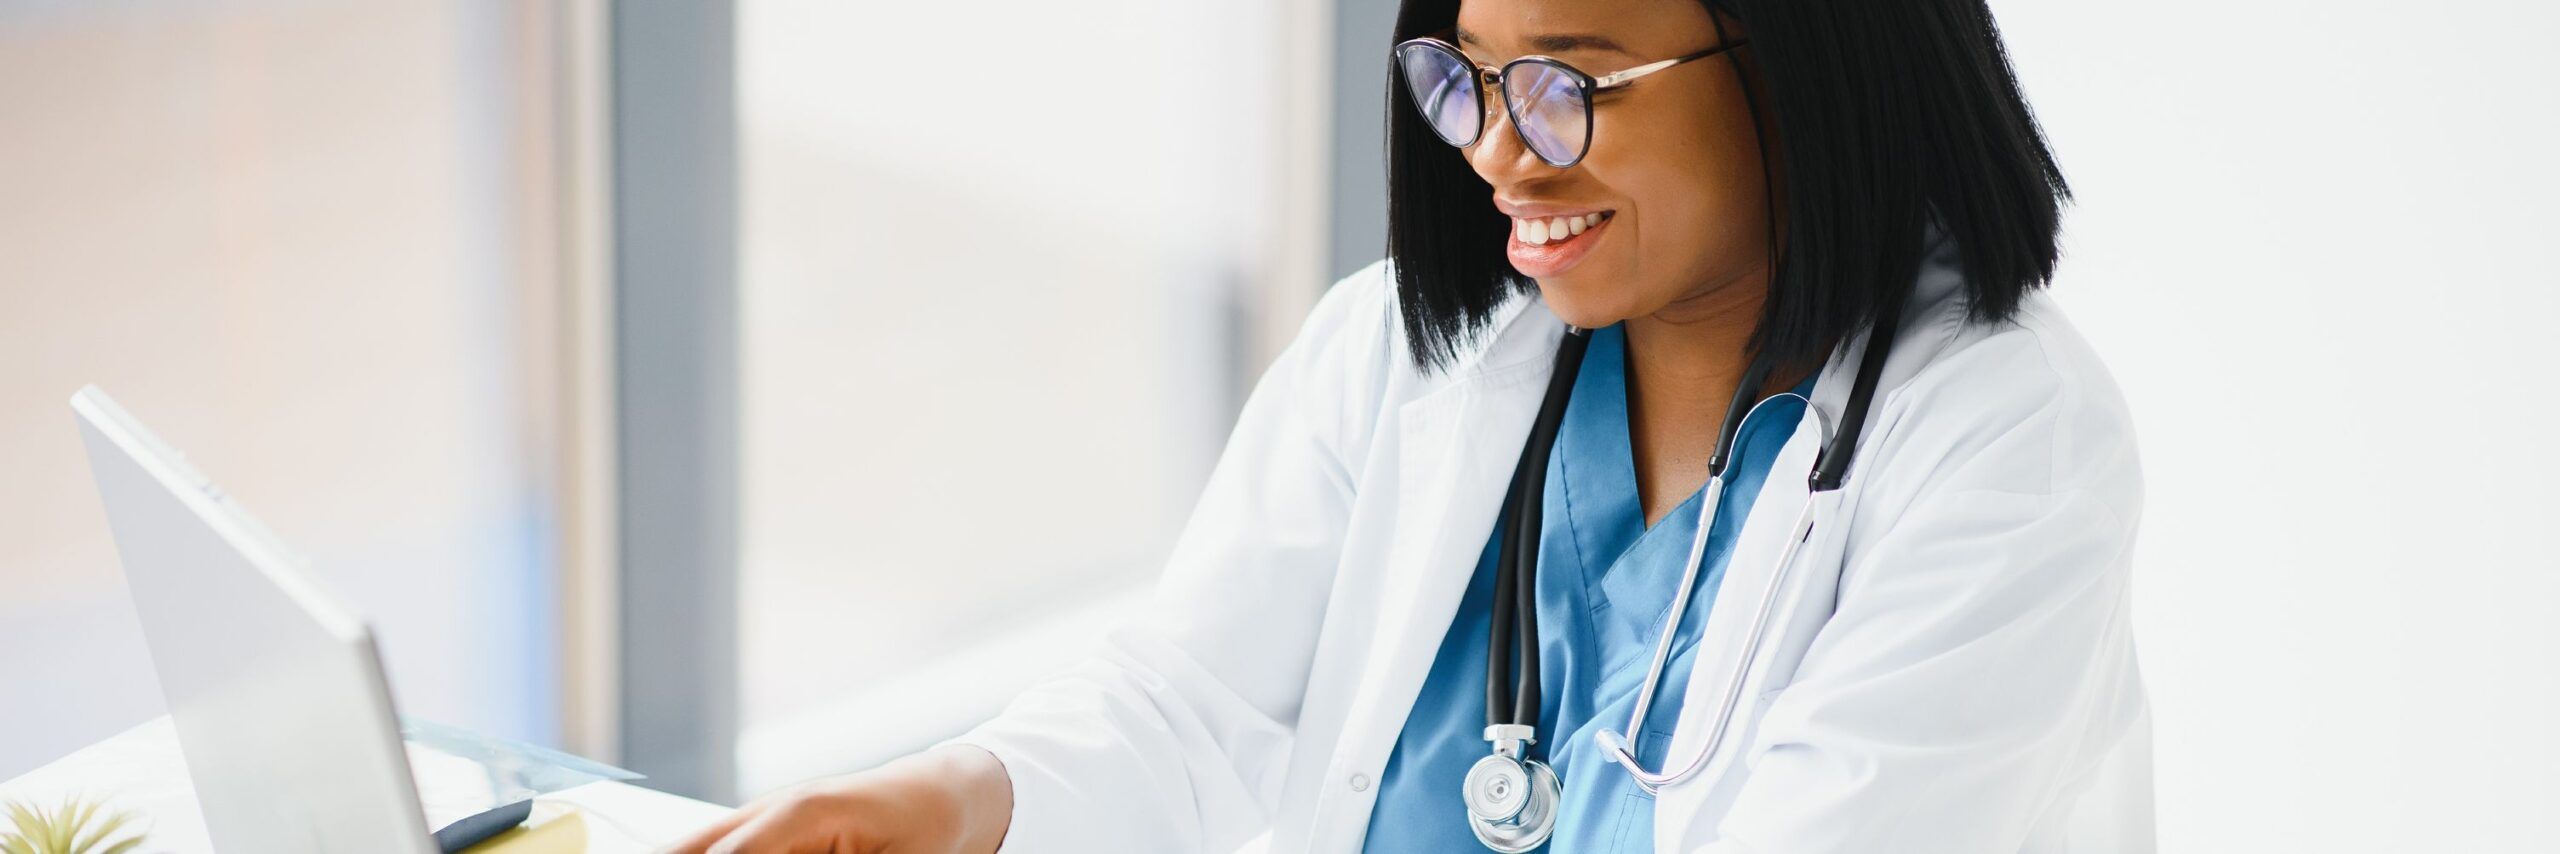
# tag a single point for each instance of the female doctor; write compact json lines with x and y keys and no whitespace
{"x":1703,"y":470}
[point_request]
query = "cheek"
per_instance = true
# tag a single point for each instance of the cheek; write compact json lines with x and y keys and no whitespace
{"x":1694,"y":188}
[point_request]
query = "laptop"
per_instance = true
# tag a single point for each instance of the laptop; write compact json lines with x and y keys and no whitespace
{"x":275,"y":691}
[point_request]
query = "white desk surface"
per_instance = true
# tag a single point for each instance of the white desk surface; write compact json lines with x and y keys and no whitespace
{"x":142,"y":771}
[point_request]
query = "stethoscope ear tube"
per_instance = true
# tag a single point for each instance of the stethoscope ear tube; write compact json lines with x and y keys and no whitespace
{"x":1621,"y":748}
{"x":1830,"y":469}
{"x":1515,"y":594}
{"x":1512,"y":797}
{"x":1736,"y":411}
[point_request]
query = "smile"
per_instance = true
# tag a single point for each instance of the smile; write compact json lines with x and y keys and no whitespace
{"x":1546,"y":246}
{"x":1545,"y":230}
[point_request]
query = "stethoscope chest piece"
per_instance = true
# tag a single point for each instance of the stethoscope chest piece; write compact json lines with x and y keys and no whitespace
{"x":1511,"y":799}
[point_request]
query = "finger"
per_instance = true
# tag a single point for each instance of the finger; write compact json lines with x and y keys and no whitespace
{"x":702,"y":840}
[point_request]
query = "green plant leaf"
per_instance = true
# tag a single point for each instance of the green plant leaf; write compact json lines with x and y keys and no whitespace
{"x":79,"y":826}
{"x":27,"y":834}
{"x":107,"y":827}
{"x":77,"y":814}
{"x":29,"y":826}
{"x":60,"y":823}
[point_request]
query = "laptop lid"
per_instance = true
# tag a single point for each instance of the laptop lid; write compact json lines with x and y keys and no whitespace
{"x":275,"y":691}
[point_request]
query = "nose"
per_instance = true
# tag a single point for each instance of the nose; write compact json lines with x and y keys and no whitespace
{"x":1499,"y":156}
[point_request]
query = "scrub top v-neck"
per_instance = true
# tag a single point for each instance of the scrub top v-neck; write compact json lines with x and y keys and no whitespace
{"x":1605,"y":583}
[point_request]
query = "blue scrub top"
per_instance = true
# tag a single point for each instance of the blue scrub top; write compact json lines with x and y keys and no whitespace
{"x":1605,"y":583}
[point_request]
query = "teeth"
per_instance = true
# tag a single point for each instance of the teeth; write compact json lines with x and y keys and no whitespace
{"x":1542,"y":231}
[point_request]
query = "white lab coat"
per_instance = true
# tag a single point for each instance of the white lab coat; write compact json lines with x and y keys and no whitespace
{"x":1950,"y":668}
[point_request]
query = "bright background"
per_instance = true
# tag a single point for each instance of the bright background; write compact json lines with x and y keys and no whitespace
{"x":2319,"y":245}
{"x":321,"y":245}
{"x":293,"y":238}
{"x":987,"y":316}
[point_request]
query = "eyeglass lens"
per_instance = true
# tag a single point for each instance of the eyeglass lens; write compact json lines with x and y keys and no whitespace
{"x":1444,"y":88}
{"x":1546,"y":101}
{"x":1548,"y":106}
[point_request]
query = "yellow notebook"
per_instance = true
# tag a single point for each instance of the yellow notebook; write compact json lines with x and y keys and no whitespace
{"x":566,"y":834}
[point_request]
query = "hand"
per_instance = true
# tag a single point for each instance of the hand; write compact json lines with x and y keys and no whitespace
{"x":952,"y":799}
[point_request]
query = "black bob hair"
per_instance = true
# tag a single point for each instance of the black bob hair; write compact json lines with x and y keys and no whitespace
{"x":1886,"y":115}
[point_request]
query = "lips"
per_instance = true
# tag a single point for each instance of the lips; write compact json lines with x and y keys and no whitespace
{"x":1542,"y":246}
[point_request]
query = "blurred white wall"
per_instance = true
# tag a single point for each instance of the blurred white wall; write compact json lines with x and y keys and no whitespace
{"x":292,"y":237}
{"x":2316,"y":242}
{"x":995,"y":293}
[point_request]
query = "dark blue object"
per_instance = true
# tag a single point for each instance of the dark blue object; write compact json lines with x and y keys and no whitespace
{"x":477,"y":829}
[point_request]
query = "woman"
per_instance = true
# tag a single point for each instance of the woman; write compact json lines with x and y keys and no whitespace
{"x":1629,"y":299}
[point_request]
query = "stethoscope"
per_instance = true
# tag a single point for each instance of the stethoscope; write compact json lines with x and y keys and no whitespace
{"x":1512,"y":798}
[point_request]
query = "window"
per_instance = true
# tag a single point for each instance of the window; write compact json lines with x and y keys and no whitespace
{"x":1000,"y":296}
{"x":306,"y":243}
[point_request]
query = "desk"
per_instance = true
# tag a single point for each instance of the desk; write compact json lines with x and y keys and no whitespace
{"x":141,"y":770}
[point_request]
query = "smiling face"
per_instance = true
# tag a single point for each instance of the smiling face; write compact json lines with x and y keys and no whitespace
{"x":1668,"y":200}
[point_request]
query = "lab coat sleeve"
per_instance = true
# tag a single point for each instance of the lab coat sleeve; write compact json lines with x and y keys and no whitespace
{"x":1176,"y":735}
{"x":1976,"y":664}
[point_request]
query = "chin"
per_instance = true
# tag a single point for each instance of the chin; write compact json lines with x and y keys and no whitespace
{"x":1582,"y":309}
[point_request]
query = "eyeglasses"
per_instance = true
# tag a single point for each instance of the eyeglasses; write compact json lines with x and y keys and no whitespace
{"x":1549,"y":101}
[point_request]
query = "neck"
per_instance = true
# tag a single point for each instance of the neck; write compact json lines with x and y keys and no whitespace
{"x":1684,"y":361}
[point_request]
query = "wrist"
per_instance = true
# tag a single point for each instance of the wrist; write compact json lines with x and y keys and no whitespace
{"x":972,"y":794}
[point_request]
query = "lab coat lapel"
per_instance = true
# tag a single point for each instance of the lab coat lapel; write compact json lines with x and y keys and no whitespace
{"x":1751,"y":570}
{"x":1750,"y":573}
{"x":1458,"y":447}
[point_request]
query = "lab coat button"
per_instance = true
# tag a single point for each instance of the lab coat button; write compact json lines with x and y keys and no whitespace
{"x":1359,"y":782}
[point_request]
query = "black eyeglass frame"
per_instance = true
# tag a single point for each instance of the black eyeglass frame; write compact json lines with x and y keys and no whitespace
{"x":1486,"y":76}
